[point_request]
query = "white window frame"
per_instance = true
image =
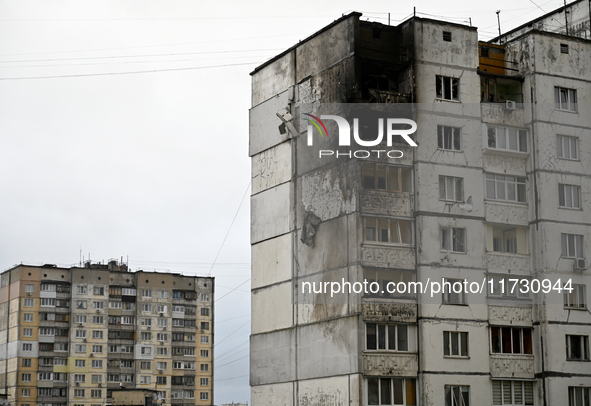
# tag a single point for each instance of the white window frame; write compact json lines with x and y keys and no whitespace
{"x":449,"y":296}
{"x":572,"y":245}
{"x":442,"y":83}
{"x":567,"y":147}
{"x":451,"y":188}
{"x":507,"y":184}
{"x":449,"y":241}
{"x":569,"y":196}
{"x":455,"y":347}
{"x":565,"y":99}
{"x":583,"y":342}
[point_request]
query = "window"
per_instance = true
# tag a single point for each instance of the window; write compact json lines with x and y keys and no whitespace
{"x":81,"y":304}
{"x":27,"y":347}
{"x":146,"y":293}
{"x":191,"y":323}
{"x":80,"y":333}
{"x":27,"y":332}
{"x":80,"y":348}
{"x":97,"y":334}
{"x":145,"y":365}
{"x":97,"y":363}
{"x":178,"y":322}
{"x":569,"y":196}
{"x":453,"y":291}
{"x":161,"y":351}
{"x":48,"y":287}
{"x":453,"y":239}
{"x":146,"y":336}
{"x":190,"y":338}
{"x":576,"y":298}
{"x":501,"y":286}
{"x":80,"y":319}
{"x":61,"y":361}
{"x":47,"y":302}
{"x":191,"y":351}
{"x":128,"y":292}
{"x":451,"y":188}
{"x":79,"y":378}
{"x":511,"y":340}
{"x":80,"y":363}
{"x":502,"y":187}
{"x":127,"y":320}
{"x":447,"y":36}
{"x":146,"y":307}
{"x":98,"y":290}
{"x":391,"y":391}
{"x":392,"y":337}
{"x":162,"y":294}
{"x":204,"y":297}
{"x":577,"y":396}
{"x":97,"y":319}
{"x":96,"y":393}
{"x":161,"y":380}
{"x":572,"y":246}
{"x":457,"y":395}
{"x":513,"y":393}
{"x":26,"y":377}
{"x":44,"y":376}
{"x":96,"y":379}
{"x":28,"y":317}
{"x":565,"y":99}
{"x":567,"y":147}
{"x":455,"y":344}
{"x":162,"y":322}
{"x":204,"y":353}
{"x":25,"y":393}
{"x":203,"y":396}
{"x":387,"y":178}
{"x":510,"y":139}
{"x":161,"y":366}
{"x":577,"y":348}
{"x":81,"y":289}
{"x":448,"y":138}
{"x":205,"y":311}
{"x":204,"y":381}
{"x":46,"y":331}
{"x":204,"y":367}
{"x":29,"y":302}
{"x":162,"y":337}
{"x":97,"y":349}
{"x":177,"y":365}
{"x":447,"y":88}
{"x":61,"y":347}
{"x":564,"y":48}
{"x":98,"y":305}
{"x":204,"y":340}
{"x":394,"y":231}
{"x":161,"y":309}
{"x":146,"y":322}
{"x":27,"y":362}
{"x":145,"y":379}
{"x":507,"y":239}
{"x":146,"y":350}
{"x":29,"y":288}
{"x":114,"y":305}
{"x":204,"y":325}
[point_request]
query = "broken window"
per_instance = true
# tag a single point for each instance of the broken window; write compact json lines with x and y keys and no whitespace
{"x":510,"y":239}
{"x":387,"y":279}
{"x":511,"y":340}
{"x":577,"y":348}
{"x":510,"y":139}
{"x":388,"y":178}
{"x":457,"y":395}
{"x":448,"y":138}
{"x":453,"y":291}
{"x":565,"y":99}
{"x":567,"y":147}
{"x":500,"y":90}
{"x":451,"y":188}
{"x":394,"y":231}
{"x":446,"y":88}
{"x":513,"y":393}
{"x":502,"y":187}
{"x":455,"y":344}
{"x":572,"y":246}
{"x":569,"y":196}
{"x":453,"y":239}
{"x":576,"y":297}
{"x":391,"y":391}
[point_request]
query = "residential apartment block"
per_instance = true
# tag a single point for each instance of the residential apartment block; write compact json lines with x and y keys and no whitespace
{"x":497,"y":189}
{"x":69,"y":336}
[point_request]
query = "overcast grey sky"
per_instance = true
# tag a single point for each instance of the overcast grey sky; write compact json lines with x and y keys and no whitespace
{"x":98,"y":157}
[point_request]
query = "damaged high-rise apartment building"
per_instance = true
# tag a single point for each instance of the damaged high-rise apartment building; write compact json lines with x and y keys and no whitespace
{"x":497,"y":189}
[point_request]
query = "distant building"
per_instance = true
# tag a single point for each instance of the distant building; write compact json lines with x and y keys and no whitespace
{"x":497,"y":189}
{"x":77,"y":336}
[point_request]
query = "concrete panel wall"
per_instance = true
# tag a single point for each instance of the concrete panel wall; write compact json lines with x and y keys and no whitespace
{"x":272,"y":395}
{"x":271,"y":167}
{"x":272,"y":358}
{"x":274,"y":205}
{"x":273,"y":307}
{"x":264,"y":123}
{"x":271,"y":261}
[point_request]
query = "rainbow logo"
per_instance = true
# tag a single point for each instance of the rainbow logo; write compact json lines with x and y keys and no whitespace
{"x":316,"y":125}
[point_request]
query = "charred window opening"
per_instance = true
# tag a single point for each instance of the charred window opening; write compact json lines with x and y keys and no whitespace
{"x":447,"y":88}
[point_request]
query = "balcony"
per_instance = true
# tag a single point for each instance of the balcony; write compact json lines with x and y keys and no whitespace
{"x":506,"y":213}
{"x":387,"y":256}
{"x":512,"y":366}
{"x":386,"y":203}
{"x":504,"y":262}
{"x":390,"y":364}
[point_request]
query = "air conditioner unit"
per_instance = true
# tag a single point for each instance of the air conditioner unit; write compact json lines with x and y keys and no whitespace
{"x":161,"y":314}
{"x":91,"y":355}
{"x":510,"y":105}
{"x":77,"y":383}
{"x":100,"y":385}
{"x":28,"y":293}
{"x":84,"y":340}
{"x":580,"y":264}
{"x":160,"y":371}
{"x":161,"y":341}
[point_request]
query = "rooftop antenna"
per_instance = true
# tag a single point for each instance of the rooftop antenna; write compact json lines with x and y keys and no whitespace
{"x":499,"y":23}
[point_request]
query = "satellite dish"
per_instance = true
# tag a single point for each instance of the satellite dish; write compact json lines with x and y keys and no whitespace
{"x":467,"y":206}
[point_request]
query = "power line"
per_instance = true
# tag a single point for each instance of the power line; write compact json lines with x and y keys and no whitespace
{"x":132,"y":72}
{"x":229,"y":335}
{"x":217,"y":300}
{"x":231,"y":362}
{"x":229,"y":379}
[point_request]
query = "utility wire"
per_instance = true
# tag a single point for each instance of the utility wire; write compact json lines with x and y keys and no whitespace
{"x":217,"y":300}
{"x":229,"y":379}
{"x":131,"y":73}
{"x":229,"y":335}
